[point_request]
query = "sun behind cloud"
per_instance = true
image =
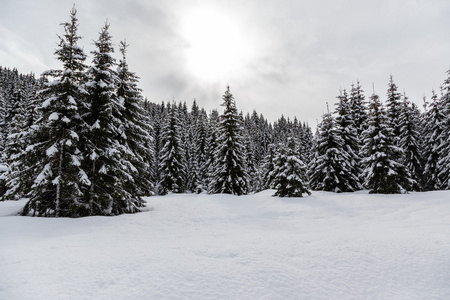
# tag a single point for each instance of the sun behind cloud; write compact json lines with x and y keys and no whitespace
{"x":217,"y":46}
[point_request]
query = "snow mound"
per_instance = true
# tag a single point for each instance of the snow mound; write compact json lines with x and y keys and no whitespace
{"x":325,"y":246}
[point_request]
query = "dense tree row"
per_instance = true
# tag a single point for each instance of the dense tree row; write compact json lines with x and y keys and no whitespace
{"x":82,"y":141}
{"x":87,"y":151}
{"x":390,"y":148}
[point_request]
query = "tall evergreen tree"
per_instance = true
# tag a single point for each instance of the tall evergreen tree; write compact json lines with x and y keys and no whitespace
{"x":383,"y":171}
{"x":410,"y":141}
{"x":331,"y":168}
{"x":358,"y":110}
{"x":268,"y":166}
{"x":211,"y":148}
{"x":109,"y":174}
{"x":200,"y":149}
{"x":394,"y":107}
{"x":230,"y":176}
{"x":432,"y":132}
{"x":444,"y":147}
{"x":346,"y":129}
{"x":53,"y":160}
{"x":290,"y":172}
{"x":135,"y":131}
{"x":172,"y":158}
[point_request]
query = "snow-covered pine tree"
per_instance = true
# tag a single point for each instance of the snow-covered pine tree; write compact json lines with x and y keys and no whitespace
{"x":158,"y":115}
{"x":230,"y":174}
{"x":53,"y":158}
{"x":346,"y":129}
{"x":211,"y":147}
{"x":394,"y":107}
{"x":431,"y":131}
{"x":410,"y":141}
{"x":331,"y":168}
{"x":108,"y":171}
{"x":268,"y":166}
{"x":135,"y":130}
{"x":201,"y":149}
{"x":172,"y":156}
{"x":3,"y":124}
{"x":383,"y":171}
{"x":358,"y":110}
{"x":189,"y":139}
{"x":252,"y":170}
{"x":444,"y":147}
{"x":290,"y":172}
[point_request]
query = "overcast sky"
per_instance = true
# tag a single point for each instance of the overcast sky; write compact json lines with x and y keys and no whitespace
{"x":279,"y":57}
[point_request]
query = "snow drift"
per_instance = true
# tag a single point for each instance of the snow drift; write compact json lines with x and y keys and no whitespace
{"x":325,"y":246}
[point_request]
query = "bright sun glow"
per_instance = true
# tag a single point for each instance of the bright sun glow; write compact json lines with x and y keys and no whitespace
{"x":217,"y":46}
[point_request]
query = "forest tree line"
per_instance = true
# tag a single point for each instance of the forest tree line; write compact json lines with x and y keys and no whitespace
{"x":82,"y":140}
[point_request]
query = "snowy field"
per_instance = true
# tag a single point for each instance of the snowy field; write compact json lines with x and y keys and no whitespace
{"x":325,"y":246}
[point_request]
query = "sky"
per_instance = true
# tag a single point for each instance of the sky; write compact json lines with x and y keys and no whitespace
{"x":280,"y":57}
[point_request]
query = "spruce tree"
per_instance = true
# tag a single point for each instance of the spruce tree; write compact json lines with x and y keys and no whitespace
{"x":230,"y":175}
{"x":432,"y":130}
{"x":394,"y":107}
{"x":53,"y":158}
{"x":211,"y":148}
{"x":135,"y":131}
{"x":109,"y":173}
{"x":201,"y":149}
{"x":358,"y":110}
{"x":290,"y":172}
{"x":172,"y":156}
{"x":331,"y":169}
{"x":346,"y":129}
{"x":269,"y":165}
{"x":444,"y":147}
{"x":383,"y":171}
{"x":410,"y":141}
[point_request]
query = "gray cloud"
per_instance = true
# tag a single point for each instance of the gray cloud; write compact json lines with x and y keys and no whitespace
{"x":305,"y":50}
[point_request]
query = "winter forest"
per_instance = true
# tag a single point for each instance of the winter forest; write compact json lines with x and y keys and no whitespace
{"x":82,"y":140}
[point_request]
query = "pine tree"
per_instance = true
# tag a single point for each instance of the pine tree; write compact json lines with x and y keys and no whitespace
{"x":53,"y":160}
{"x":331,"y":169}
{"x":201,"y":149}
{"x":394,"y":107}
{"x":3,"y":124}
{"x":109,"y":174}
{"x":269,"y":165}
{"x":346,"y":129}
{"x":172,"y":158}
{"x":410,"y":141}
{"x":358,"y":110}
{"x":290,"y":172}
{"x":383,"y":171}
{"x":135,"y":132}
{"x":211,"y":148}
{"x":432,"y":131}
{"x":444,"y":147}
{"x":230,"y":175}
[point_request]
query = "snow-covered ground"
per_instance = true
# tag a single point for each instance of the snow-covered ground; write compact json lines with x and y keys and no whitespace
{"x":325,"y":246}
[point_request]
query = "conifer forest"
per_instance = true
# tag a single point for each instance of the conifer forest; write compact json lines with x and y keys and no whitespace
{"x":82,"y":140}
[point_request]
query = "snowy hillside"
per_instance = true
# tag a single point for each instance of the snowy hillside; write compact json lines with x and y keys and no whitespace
{"x":325,"y":246}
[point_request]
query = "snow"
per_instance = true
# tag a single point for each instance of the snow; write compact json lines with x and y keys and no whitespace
{"x":185,"y":246}
{"x":54,"y":116}
{"x":51,"y":151}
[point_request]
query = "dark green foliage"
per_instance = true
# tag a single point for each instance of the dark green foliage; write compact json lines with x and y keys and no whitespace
{"x":230,"y":170}
{"x":289,"y":174}
{"x":109,"y":172}
{"x":411,"y":142}
{"x":172,"y":158}
{"x":53,"y":159}
{"x":383,"y":172}
{"x":331,"y":169}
